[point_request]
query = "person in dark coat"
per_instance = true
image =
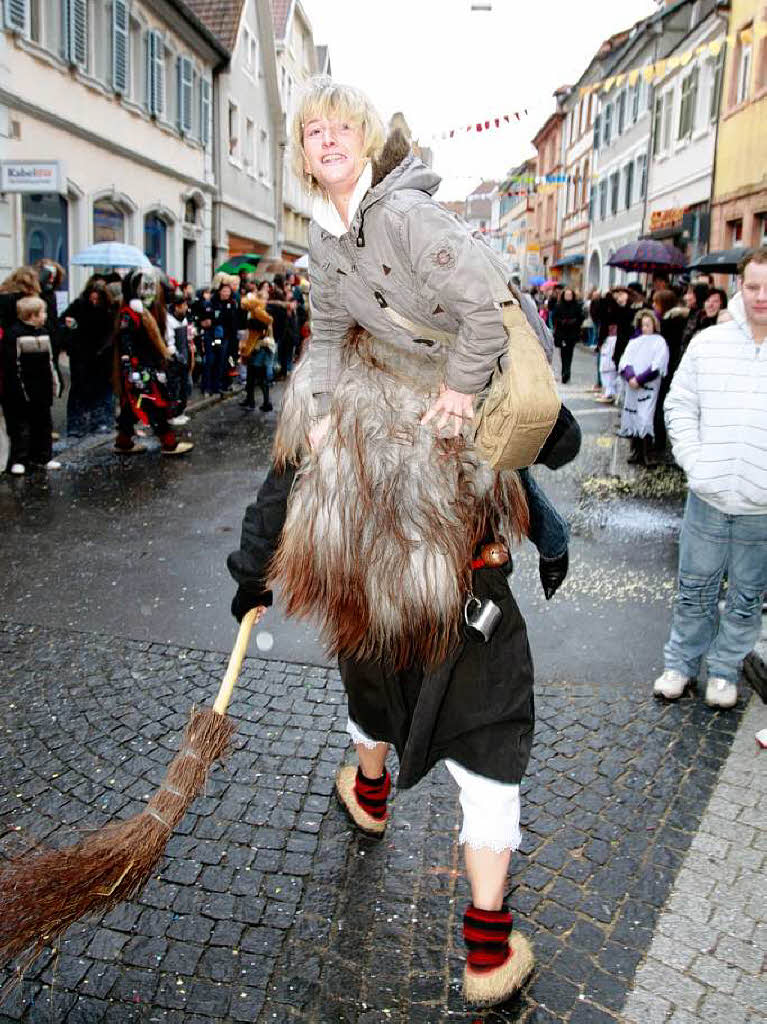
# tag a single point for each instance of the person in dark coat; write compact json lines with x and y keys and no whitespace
{"x":673,"y":317}
{"x":225,"y":325}
{"x":567,"y":329}
{"x":86,"y":333}
{"x":621,"y":313}
{"x":30,"y":385}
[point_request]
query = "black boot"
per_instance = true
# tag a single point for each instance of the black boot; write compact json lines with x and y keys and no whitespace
{"x":267,"y":406}
{"x":249,"y":402}
{"x":637,"y":457}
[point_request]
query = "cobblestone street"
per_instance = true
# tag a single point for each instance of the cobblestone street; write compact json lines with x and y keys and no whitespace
{"x":267,"y":908}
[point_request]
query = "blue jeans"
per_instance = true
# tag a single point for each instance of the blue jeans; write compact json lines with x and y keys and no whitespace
{"x":712,"y":543}
{"x":548,"y":529}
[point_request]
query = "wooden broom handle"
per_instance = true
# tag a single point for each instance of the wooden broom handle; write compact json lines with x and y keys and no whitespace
{"x":236,"y":658}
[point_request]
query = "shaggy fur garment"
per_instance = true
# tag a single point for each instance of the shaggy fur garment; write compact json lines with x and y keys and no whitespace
{"x":384,"y":516}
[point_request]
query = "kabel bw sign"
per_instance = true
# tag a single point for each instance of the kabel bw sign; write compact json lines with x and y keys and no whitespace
{"x":31,"y":176}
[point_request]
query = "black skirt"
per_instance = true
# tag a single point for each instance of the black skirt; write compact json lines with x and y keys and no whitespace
{"x":477,"y":708}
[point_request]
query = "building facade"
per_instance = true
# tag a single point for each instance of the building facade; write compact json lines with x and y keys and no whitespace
{"x":516,"y":217}
{"x":297,"y":58}
{"x":110,"y":105}
{"x":739,"y":207}
{"x":578,"y":140}
{"x":550,"y":175}
{"x":246,"y":123}
{"x":685,"y":113}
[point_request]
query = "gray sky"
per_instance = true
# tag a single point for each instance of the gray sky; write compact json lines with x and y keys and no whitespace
{"x":445,"y":66}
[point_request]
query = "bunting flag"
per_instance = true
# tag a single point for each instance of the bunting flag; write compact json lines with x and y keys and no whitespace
{"x":658,"y":69}
{"x":485,"y":125}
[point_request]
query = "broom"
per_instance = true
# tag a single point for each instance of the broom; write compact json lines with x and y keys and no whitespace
{"x":42,"y":894}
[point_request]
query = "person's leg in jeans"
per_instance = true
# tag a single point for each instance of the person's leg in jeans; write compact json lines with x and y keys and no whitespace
{"x":703,"y":551}
{"x":741,"y":620}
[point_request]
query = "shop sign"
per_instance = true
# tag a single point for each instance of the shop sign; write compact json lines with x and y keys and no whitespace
{"x":31,"y":176}
{"x":663,"y":219}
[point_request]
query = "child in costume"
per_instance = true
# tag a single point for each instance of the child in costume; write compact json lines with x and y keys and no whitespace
{"x":643,"y":364}
{"x":30,"y":385}
{"x":141,"y":357}
{"x":257,"y":351}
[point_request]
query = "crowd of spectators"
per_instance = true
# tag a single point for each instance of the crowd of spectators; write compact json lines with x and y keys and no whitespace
{"x":240,"y":328}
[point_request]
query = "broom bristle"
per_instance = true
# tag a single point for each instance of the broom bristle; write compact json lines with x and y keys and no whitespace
{"x":42,"y":894}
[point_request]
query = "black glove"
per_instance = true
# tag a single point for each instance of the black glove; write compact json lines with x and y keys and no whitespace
{"x":245,"y":599}
{"x":552,"y":572}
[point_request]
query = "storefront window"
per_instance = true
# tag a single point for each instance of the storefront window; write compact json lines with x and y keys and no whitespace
{"x":108,"y":222}
{"x":156,"y":240}
{"x":45,"y":228}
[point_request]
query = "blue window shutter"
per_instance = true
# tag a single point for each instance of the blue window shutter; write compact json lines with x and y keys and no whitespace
{"x":76,"y":31}
{"x":120,"y":46}
{"x":205,"y":112}
{"x":16,"y":15}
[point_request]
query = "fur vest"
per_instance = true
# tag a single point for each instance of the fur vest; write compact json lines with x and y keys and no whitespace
{"x":385,"y":514}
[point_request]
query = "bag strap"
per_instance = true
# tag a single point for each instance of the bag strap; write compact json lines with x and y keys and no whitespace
{"x":418,"y":330}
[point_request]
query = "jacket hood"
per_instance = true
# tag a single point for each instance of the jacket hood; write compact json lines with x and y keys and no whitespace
{"x":398,"y":168}
{"x":737,"y":310}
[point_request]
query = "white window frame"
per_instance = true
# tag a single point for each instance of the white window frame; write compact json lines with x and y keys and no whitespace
{"x":236,"y":149}
{"x":264,"y":153}
{"x":745,"y":69}
{"x":716,"y":66}
{"x":688,"y":104}
{"x":249,"y":148}
{"x":607,"y":125}
{"x":668,"y":118}
{"x":640,"y":174}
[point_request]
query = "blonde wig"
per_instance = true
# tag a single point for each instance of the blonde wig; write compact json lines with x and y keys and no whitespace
{"x":324,"y":98}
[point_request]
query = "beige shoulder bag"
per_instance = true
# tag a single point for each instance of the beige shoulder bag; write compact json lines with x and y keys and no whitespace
{"x":522,"y":404}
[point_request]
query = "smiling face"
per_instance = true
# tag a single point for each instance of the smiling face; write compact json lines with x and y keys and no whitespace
{"x":333,"y":154}
{"x":713,"y":305}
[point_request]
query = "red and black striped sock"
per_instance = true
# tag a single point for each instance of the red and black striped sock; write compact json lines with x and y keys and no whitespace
{"x":372,"y":793}
{"x":486,"y":934}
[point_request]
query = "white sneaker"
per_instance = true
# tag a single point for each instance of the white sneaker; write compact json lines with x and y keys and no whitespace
{"x":53,"y":464}
{"x":179,"y":421}
{"x":17,"y":469}
{"x":671,"y":684}
{"x":720,"y":693}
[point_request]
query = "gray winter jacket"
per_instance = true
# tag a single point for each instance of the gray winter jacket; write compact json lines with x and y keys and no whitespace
{"x":403,"y":249}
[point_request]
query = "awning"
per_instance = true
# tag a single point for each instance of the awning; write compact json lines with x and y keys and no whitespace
{"x":569,"y":261}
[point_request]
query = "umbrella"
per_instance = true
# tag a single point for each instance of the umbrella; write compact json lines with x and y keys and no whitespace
{"x":302,"y":263}
{"x":247,"y":261}
{"x":551,"y":283}
{"x":722,"y":261}
{"x":648,"y":255}
{"x":111,"y":254}
{"x":537,"y":280}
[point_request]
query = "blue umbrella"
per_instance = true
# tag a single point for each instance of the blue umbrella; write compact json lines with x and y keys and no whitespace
{"x":111,"y":254}
{"x":538,"y":279}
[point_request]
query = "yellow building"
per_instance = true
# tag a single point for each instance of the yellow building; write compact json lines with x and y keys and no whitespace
{"x":739,"y":207}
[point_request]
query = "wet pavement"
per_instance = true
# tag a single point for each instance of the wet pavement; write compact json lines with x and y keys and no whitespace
{"x":267,"y":907}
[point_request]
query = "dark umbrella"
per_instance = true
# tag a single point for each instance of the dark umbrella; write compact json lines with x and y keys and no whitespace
{"x":722,"y":261}
{"x":648,"y":255}
{"x":248,"y":261}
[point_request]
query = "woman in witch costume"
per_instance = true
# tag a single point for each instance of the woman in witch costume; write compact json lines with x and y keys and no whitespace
{"x":387,"y":523}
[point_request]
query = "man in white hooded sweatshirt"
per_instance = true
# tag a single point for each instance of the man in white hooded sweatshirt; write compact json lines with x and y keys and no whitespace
{"x":716,"y":413}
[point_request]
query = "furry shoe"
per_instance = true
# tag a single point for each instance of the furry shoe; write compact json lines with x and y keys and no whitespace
{"x":486,"y":988}
{"x":366,"y":823}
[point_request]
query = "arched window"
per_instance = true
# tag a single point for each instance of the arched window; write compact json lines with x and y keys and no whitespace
{"x":108,"y":222}
{"x":156,"y":240}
